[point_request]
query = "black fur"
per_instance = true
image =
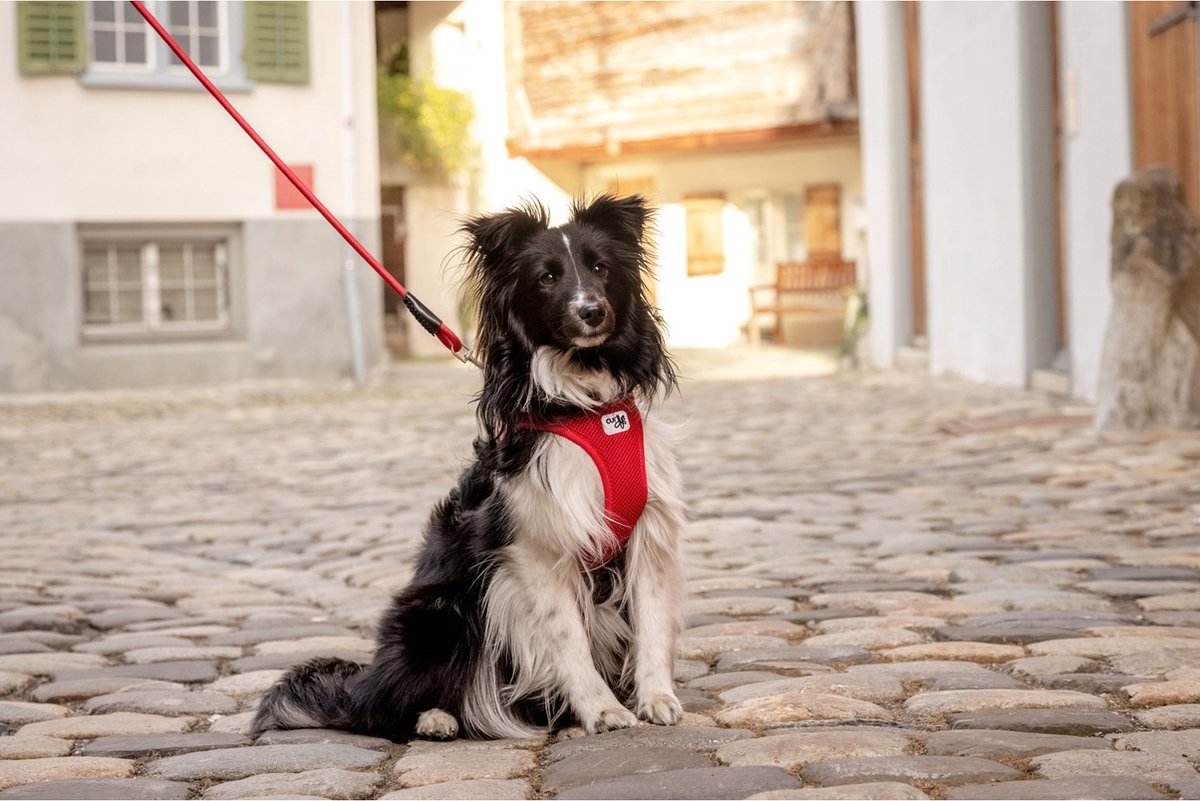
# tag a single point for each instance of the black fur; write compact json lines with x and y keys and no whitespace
{"x":431,"y":638}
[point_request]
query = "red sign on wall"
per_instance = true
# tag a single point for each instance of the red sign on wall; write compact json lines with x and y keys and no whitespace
{"x":286,"y":195}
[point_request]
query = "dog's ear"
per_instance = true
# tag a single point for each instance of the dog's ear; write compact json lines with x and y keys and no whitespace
{"x":496,"y":237}
{"x":624,"y":218}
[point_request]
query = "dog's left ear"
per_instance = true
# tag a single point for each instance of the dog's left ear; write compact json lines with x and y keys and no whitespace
{"x":623,"y":218}
{"x":494,"y":238}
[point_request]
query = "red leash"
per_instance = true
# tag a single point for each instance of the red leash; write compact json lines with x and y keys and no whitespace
{"x":428,"y":320}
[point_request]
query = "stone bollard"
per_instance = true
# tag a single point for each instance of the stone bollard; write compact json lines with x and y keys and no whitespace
{"x":1150,"y":365}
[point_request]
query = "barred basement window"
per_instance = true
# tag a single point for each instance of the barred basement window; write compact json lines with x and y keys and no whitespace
{"x":155,"y":287}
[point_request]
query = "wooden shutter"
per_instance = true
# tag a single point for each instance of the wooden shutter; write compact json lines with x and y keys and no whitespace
{"x":823,"y":221}
{"x":645,"y":186}
{"x":277,"y":41}
{"x":705,"y":237}
{"x":51,"y":38}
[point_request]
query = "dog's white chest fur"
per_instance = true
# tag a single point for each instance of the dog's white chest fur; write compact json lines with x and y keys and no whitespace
{"x":559,"y":499}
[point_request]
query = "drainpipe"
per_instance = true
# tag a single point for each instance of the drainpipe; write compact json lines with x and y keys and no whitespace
{"x":358,"y":356}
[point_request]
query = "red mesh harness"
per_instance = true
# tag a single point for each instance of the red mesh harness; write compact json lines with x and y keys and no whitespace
{"x":612,"y":436}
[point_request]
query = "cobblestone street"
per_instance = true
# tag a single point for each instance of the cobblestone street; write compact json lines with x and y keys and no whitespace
{"x":898,"y":587}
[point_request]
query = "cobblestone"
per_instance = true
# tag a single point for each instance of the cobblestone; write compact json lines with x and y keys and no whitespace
{"x":322,"y":783}
{"x":99,"y":789}
{"x":792,"y":751}
{"x":898,"y":587}
{"x":28,"y":771}
{"x":237,"y":763}
{"x":452,"y":762}
{"x":866,"y":791}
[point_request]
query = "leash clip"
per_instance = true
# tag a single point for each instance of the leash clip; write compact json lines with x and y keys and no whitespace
{"x":467,"y":357}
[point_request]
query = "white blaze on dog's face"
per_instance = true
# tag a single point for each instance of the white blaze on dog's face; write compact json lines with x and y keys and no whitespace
{"x":572,"y":287}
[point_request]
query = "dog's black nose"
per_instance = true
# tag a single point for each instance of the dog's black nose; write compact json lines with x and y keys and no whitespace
{"x":592,"y":313}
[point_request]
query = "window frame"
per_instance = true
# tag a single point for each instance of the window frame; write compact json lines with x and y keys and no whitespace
{"x":161,"y":73}
{"x":148,"y":240}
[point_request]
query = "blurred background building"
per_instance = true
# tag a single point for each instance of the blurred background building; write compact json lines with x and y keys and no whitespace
{"x":738,"y":120}
{"x":147,"y":240}
{"x":993,"y":136}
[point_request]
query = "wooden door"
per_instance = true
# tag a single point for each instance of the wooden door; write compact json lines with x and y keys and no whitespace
{"x":916,"y":179}
{"x":1163,"y":66}
{"x":391,"y":238}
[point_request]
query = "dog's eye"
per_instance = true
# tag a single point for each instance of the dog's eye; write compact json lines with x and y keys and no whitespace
{"x":548,"y":279}
{"x":601,"y":268}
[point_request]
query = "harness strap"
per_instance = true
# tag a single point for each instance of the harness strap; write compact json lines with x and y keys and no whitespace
{"x":613,"y":437}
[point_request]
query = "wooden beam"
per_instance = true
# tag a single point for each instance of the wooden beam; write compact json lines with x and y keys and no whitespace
{"x":812,"y":132}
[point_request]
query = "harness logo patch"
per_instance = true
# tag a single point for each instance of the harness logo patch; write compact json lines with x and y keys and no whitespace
{"x":616,"y":423}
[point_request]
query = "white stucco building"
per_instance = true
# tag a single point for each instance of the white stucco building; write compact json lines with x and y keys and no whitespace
{"x":993,"y":135}
{"x":146,"y":239}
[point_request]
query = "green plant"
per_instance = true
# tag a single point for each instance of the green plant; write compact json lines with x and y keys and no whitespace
{"x":432,"y":122}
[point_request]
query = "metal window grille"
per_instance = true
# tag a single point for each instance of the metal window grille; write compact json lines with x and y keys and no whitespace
{"x":155,"y":287}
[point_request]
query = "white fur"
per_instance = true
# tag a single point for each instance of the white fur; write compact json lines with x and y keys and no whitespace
{"x":437,"y":724}
{"x":571,"y":256}
{"x":540,"y":609}
{"x":556,"y":376}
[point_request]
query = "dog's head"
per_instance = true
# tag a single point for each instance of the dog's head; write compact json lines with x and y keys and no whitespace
{"x":579,"y":289}
{"x":573,"y":287}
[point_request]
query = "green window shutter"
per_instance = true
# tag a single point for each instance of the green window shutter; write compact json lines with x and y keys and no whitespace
{"x":51,"y":38}
{"x":277,"y":41}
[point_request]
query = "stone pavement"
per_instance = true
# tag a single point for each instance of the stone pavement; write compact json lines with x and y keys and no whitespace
{"x":899,"y":587}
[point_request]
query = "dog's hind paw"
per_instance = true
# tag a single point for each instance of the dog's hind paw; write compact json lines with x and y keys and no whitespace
{"x":435,"y":724}
{"x":662,"y":708}
{"x":609,"y":719}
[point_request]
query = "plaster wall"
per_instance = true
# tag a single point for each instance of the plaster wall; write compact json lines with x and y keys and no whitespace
{"x":1098,"y":151}
{"x":883,"y":134}
{"x":287,"y":305}
{"x":75,"y":155}
{"x":989,"y":225}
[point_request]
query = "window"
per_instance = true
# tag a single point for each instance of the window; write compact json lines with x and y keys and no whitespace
{"x":194,"y":25}
{"x":151,"y":287}
{"x":793,"y":228}
{"x":757,"y":210}
{"x":118,"y":37}
{"x":121,"y":42}
{"x":111,"y":45}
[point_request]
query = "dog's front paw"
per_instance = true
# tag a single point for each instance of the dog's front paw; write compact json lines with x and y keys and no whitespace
{"x":661,"y":708}
{"x":436,"y":724}
{"x":608,"y":719}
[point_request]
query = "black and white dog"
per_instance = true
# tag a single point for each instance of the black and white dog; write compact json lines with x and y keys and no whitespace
{"x":526,"y":609}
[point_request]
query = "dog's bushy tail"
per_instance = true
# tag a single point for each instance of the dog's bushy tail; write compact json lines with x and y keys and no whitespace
{"x":313,"y":695}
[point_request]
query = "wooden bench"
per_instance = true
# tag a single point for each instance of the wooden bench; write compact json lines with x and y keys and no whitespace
{"x":814,"y":286}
